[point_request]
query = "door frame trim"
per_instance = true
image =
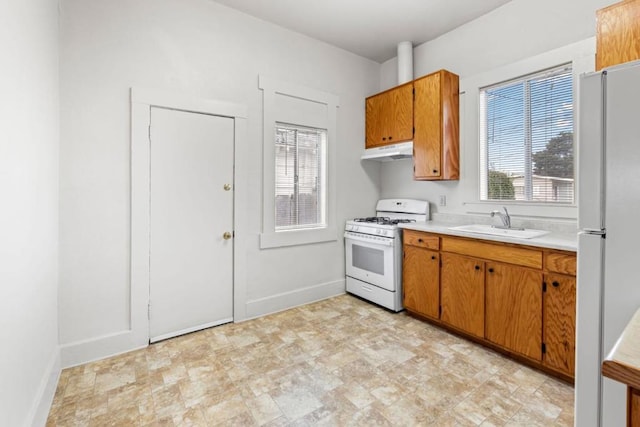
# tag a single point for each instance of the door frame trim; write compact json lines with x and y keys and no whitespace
{"x":142,"y":99}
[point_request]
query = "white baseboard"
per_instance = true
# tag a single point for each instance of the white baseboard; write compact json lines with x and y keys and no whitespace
{"x":272,"y":304}
{"x":80,"y":352}
{"x":46,"y":391}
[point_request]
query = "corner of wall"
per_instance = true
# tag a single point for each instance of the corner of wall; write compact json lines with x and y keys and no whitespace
{"x":46,"y":391}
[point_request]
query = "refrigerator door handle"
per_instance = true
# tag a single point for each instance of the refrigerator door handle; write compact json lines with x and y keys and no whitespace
{"x":591,"y":151}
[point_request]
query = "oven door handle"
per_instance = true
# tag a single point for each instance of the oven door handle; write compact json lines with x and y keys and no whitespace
{"x":382,"y":241}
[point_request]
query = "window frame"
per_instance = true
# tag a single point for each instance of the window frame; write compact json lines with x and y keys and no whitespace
{"x":289,"y":103}
{"x":582,"y":57}
{"x":321,"y":179}
{"x":484,"y":170}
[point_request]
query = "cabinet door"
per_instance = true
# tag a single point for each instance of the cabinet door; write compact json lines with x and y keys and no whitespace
{"x":618,"y":34}
{"x":559,"y":320}
{"x":462,"y":293}
{"x":376,"y":119}
{"x":421,"y":281}
{"x":389,"y":116}
{"x":514,"y":308}
{"x":436,"y":121}
{"x":401,"y":122}
{"x":427,"y":141}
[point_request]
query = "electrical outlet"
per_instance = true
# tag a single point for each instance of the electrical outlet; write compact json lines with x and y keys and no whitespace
{"x":443,"y":200}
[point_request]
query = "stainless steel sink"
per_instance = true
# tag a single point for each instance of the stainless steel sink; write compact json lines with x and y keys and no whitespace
{"x":519,"y":233}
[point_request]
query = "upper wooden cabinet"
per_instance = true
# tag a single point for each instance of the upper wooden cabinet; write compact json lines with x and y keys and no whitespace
{"x":437,"y":121}
{"x":389,"y":116}
{"x":618,"y":34}
{"x":426,"y":111}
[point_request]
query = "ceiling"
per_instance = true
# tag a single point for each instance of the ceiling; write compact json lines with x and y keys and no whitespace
{"x":369,"y":28}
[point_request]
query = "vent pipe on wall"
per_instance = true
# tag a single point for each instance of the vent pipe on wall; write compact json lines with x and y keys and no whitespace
{"x":405,"y":62}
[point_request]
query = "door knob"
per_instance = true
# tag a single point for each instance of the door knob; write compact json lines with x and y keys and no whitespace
{"x":226,"y":235}
{"x":227,"y":187}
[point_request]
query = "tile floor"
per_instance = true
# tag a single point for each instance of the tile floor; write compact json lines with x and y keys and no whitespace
{"x":336,"y":362}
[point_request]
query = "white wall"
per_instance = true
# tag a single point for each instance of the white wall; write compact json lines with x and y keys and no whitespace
{"x":29,"y":362}
{"x":204,"y":49}
{"x":517,"y":31}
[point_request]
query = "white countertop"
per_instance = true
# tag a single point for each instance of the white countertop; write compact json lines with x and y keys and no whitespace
{"x":553,"y":240}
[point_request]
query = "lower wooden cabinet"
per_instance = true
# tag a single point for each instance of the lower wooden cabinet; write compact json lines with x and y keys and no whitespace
{"x":462,"y":293}
{"x":514,"y":308}
{"x":516,"y":298}
{"x":559,"y":322}
{"x":421,"y":283}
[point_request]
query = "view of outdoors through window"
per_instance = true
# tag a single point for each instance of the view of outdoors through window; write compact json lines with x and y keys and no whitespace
{"x":299,"y":176}
{"x":526,"y":137}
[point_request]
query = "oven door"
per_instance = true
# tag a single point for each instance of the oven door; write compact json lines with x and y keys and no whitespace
{"x":370,"y":259}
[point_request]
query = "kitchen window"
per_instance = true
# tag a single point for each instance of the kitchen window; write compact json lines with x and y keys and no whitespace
{"x":300,"y":162}
{"x":526,"y":138}
{"x":298,"y":165}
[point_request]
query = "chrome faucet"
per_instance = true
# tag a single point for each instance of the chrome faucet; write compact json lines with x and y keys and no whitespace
{"x":506,"y":219}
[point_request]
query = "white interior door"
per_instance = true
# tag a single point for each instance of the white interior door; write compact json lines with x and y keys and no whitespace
{"x":191,"y":199}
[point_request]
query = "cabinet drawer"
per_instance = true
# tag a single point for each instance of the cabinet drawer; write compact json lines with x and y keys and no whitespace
{"x":493,"y":251}
{"x":560,"y":263}
{"x":420,"y":239}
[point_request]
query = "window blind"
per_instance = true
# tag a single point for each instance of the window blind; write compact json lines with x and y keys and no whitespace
{"x":299,"y":177}
{"x":526,"y":138}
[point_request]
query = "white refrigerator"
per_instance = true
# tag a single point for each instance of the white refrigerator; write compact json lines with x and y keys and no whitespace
{"x":608,"y":291}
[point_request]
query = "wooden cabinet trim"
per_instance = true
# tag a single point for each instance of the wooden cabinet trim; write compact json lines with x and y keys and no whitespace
{"x":633,"y":407}
{"x":502,"y":252}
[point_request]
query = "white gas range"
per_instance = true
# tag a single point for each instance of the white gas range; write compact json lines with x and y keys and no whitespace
{"x":373,"y":249}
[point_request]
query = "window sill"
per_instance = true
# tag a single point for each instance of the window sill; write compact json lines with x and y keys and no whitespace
{"x":297,"y":237}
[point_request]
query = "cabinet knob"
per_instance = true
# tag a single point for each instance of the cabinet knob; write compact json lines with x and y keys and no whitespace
{"x":384,"y":139}
{"x":435,"y":171}
{"x":420,"y":240}
{"x":491,"y":270}
{"x":433,"y":257}
{"x":555,"y":284}
{"x":477,"y":267}
{"x":390,"y":138}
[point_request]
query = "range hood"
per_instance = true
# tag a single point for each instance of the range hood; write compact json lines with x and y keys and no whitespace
{"x":387,"y":153}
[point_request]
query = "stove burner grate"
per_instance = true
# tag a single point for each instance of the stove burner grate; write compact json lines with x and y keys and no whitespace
{"x":384,"y":220}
